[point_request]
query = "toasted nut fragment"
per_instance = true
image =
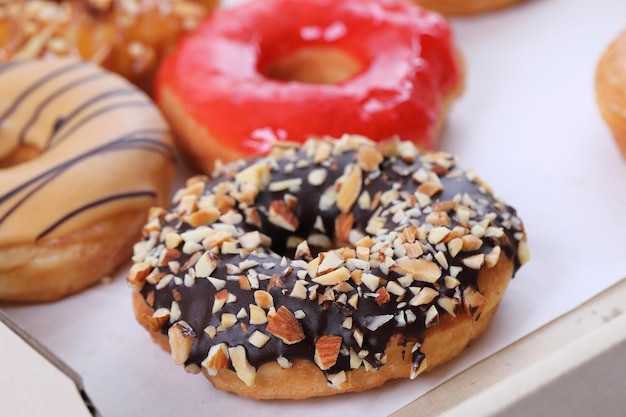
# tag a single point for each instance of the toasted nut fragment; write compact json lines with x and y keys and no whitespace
{"x":244,"y":284}
{"x":245,"y":371}
{"x":317,"y":176}
{"x":250,"y":240}
{"x":181,"y":338}
{"x":327,"y":350}
{"x":421,"y":269}
{"x":343,"y":226}
{"x":257,"y":315}
{"x":350,"y":190}
{"x":252,"y":217}
{"x":281,"y":216}
{"x":368,"y":158}
{"x":203,"y":217}
{"x":475,"y":261}
{"x":449,"y":304}
{"x":471,"y":242}
{"x":382,"y":296}
{"x":258,"y":175}
{"x":258,"y":339}
{"x":423,"y":296}
{"x":473,"y":301}
{"x":138,"y":274}
{"x":263,"y":299}
{"x":216,"y":359}
{"x":455,"y":246}
{"x":333,"y":277}
{"x":429,"y":188}
{"x":438,"y":234}
{"x":432,"y":317}
{"x":284,"y":325}
{"x":491,"y":259}
{"x":303,"y":251}
{"x":329,"y":261}
{"x":158,"y":319}
{"x":438,"y":218}
{"x":523,"y":254}
{"x":206,"y":264}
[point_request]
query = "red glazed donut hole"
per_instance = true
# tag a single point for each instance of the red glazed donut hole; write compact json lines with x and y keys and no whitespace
{"x":314,"y":65}
{"x":274,"y":70}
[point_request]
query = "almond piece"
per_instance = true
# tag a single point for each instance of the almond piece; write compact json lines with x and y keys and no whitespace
{"x":382,"y":296}
{"x":473,"y":301}
{"x":333,"y":277}
{"x":281,"y":216}
{"x":138,"y":274}
{"x":327,"y":350}
{"x":368,"y":158}
{"x":350,"y":190}
{"x":245,"y":371}
{"x":421,"y":269}
{"x":343,"y":226}
{"x":284,"y":325}
{"x":216,"y":359}
{"x":181,"y":338}
{"x":263,"y":299}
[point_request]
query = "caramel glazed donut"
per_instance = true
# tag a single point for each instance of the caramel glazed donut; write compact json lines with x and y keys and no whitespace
{"x":424,"y":255}
{"x":83,"y":156}
{"x":119,"y":35}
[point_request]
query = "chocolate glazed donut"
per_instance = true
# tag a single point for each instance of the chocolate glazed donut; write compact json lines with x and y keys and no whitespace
{"x":326,"y":268}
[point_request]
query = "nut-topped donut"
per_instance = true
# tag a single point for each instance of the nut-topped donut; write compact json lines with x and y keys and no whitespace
{"x":250,"y":76}
{"x":83,"y":155}
{"x":120,"y":35}
{"x":326,"y":268}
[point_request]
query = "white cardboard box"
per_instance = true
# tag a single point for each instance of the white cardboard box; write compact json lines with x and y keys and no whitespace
{"x":35,"y":382}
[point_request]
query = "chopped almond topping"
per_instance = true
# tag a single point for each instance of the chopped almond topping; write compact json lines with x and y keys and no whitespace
{"x":285,"y":326}
{"x":181,"y":338}
{"x":327,"y":349}
{"x":350,"y":190}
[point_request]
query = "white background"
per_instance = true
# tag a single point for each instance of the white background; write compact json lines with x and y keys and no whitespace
{"x":527,"y":124}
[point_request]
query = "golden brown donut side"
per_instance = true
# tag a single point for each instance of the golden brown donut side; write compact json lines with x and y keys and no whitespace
{"x":49,"y":270}
{"x":610,"y":85}
{"x":305,"y":379}
{"x":465,"y":7}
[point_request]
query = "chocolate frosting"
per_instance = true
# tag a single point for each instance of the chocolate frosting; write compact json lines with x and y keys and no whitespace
{"x":407,"y":192}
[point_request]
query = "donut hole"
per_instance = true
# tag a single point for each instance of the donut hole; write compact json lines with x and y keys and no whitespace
{"x":313,"y":65}
{"x":19,"y":155}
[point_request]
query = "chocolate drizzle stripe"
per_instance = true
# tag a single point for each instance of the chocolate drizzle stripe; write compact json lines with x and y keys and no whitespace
{"x":55,"y":140}
{"x":100,"y":202}
{"x":56,"y":94}
{"x":38,"y":84}
{"x":125,"y":142}
{"x":11,"y":65}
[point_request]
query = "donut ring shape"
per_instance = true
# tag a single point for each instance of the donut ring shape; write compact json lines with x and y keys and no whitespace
{"x":83,"y":155}
{"x":250,"y":76}
{"x":610,"y":86}
{"x":424,"y":255}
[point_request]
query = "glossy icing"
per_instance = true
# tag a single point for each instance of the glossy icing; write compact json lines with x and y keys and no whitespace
{"x":413,"y":209}
{"x":407,"y":66}
{"x":103,"y":148}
